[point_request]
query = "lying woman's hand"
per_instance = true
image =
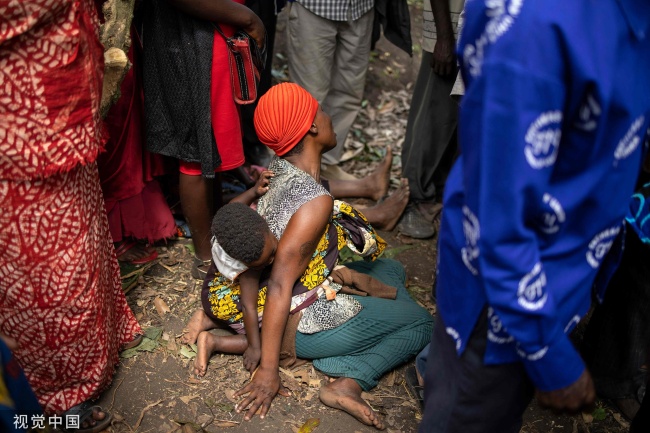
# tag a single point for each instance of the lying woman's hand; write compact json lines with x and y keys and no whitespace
{"x":261,"y":390}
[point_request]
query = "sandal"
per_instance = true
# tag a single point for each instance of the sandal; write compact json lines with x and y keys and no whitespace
{"x":414,"y":387}
{"x":183,"y":229}
{"x":84,"y":412}
{"x":200,"y":268}
{"x":127,"y":245}
{"x":137,"y":339}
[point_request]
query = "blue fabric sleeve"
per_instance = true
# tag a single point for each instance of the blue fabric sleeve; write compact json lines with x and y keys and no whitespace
{"x":512,"y":117}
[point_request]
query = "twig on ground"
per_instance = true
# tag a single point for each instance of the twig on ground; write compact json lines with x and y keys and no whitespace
{"x":137,"y":424}
{"x":167,"y":267}
{"x":115,"y":392}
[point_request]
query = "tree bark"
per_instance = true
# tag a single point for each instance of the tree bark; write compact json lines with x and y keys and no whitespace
{"x":116,"y":36}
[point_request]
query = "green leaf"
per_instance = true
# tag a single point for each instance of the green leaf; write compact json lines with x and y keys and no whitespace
{"x":392,"y":252}
{"x":190,"y":247}
{"x":147,"y":345}
{"x":153,"y":333}
{"x":225,"y":407}
{"x":129,"y":353}
{"x":599,"y":414}
{"x":187,"y":352}
{"x":309,"y":425}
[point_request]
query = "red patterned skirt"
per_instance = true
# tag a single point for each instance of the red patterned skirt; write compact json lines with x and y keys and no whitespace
{"x":60,"y":291}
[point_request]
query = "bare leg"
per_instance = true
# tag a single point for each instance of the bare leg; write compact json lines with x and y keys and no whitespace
{"x":198,"y":323}
{"x":197,"y":203}
{"x":373,"y":186}
{"x":345,"y":394}
{"x":208,"y":343}
{"x":386,"y":214}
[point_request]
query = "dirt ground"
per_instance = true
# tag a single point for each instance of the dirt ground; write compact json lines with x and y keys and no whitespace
{"x":154,"y":391}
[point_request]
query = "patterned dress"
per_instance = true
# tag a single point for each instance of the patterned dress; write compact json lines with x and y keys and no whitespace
{"x":60,"y":291}
{"x":347,"y":228}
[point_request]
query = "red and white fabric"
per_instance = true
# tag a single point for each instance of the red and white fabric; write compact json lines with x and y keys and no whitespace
{"x":60,"y":291}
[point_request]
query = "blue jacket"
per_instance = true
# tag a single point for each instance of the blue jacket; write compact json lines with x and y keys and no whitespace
{"x":552,"y":129}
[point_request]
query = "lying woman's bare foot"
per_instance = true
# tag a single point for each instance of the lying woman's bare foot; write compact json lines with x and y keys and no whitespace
{"x":206,"y":345}
{"x":345,"y":394}
{"x":380,"y":178}
{"x":198,"y":323}
{"x":386,"y":214}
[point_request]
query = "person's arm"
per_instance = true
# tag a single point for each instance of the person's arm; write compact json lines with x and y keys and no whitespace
{"x":294,"y":252}
{"x":261,"y":187}
{"x":513,"y":112}
{"x":249,"y":283}
{"x":444,"y":54}
{"x":226,"y":12}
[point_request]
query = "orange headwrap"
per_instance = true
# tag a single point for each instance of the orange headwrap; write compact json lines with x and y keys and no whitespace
{"x":283,"y":116}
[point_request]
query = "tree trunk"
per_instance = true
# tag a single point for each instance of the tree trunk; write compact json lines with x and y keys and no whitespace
{"x":116,"y":37}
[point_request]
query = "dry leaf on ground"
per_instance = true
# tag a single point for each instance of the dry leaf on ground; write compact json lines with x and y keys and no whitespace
{"x":161,"y":306}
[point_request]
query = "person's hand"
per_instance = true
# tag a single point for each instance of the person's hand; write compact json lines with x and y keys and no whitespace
{"x":261,"y":390}
{"x":579,"y":396}
{"x":262,"y":184}
{"x":256,"y":30}
{"x":443,"y":61}
{"x":252,"y":358}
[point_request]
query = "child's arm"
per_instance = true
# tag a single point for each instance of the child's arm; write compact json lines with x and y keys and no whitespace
{"x":249,"y":282}
{"x":260,"y":188}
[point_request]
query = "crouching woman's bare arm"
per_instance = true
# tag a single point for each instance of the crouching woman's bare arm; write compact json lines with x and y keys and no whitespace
{"x":294,"y":252}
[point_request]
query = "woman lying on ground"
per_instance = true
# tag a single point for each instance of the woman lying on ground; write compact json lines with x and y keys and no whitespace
{"x":370,"y":335}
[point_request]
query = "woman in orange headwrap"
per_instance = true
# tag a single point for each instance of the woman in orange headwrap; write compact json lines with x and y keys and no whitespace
{"x":357,"y":350}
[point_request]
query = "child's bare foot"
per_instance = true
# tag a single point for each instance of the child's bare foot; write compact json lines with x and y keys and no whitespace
{"x":380,"y":178}
{"x":198,"y":323}
{"x":345,"y":394}
{"x":206,"y":345}
{"x":386,"y":214}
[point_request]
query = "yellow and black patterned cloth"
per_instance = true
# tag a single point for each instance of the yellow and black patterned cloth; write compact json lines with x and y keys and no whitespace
{"x":347,"y":227}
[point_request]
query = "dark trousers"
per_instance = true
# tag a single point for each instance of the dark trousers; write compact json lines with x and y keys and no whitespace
{"x":617,"y":338}
{"x":641,"y":423}
{"x":430,"y":145}
{"x":462,"y":395}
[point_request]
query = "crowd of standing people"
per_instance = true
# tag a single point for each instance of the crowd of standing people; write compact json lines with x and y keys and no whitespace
{"x":548,"y":190}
